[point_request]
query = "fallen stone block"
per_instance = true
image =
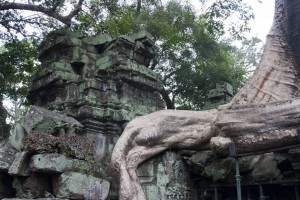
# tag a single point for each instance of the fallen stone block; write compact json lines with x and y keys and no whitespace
{"x":72,"y":185}
{"x":20,"y":165}
{"x":248,"y":163}
{"x":37,"y":143}
{"x":199,"y":160}
{"x":76,"y":146}
{"x":97,"y":40}
{"x":45,"y":121}
{"x":41,"y":120}
{"x":49,"y":163}
{"x":71,"y":145}
{"x":7,"y":156}
{"x":219,"y":169}
{"x":58,"y":163}
{"x":15,"y":140}
{"x":266,"y":169}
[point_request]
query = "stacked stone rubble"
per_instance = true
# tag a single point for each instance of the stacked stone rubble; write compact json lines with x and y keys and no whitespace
{"x":38,"y":162}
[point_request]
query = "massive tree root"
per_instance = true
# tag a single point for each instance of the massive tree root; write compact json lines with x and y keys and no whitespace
{"x":152,"y":134}
{"x":250,"y":115}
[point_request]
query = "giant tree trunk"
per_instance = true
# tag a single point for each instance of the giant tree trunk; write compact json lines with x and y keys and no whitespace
{"x":292,"y":27}
{"x":260,"y":117}
{"x":276,"y":78}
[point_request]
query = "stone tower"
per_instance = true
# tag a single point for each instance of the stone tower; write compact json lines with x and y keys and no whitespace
{"x":100,"y":81}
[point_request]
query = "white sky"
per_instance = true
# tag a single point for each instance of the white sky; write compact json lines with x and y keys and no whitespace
{"x":263,"y":12}
{"x":263,"y":17}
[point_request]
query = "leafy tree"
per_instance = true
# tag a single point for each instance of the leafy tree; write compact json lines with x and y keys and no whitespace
{"x":248,"y":55}
{"x":41,"y":14}
{"x":191,"y":58}
{"x":18,"y":63}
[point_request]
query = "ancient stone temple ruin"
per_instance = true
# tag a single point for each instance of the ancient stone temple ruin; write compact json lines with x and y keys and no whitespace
{"x":86,"y":91}
{"x":220,"y":95}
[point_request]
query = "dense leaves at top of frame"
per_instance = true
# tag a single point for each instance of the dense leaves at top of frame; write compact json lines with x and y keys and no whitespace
{"x":192,"y":56}
{"x":18,"y":63}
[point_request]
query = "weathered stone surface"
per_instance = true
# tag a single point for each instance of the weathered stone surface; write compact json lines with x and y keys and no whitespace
{"x":34,"y":186}
{"x":41,"y":143}
{"x":247,"y":163}
{"x":166,"y":177}
{"x":219,"y":170}
{"x":266,"y":169}
{"x":45,"y":121}
{"x":48,"y":163}
{"x":294,"y":156}
{"x":58,"y":163}
{"x":199,"y":160}
{"x":15,"y":140}
{"x":101,"y":82}
{"x":7,"y":156}
{"x":76,"y":146}
{"x":97,"y":40}
{"x":73,"y":185}
{"x":222,"y":94}
{"x":20,"y":165}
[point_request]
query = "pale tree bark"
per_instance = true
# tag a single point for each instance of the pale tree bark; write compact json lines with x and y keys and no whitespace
{"x":264,"y":114}
{"x":276,"y":78}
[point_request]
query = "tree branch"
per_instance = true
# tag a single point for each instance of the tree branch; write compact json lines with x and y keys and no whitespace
{"x":138,"y":8}
{"x":51,"y":12}
{"x":167,"y":99}
{"x":57,"y":3}
{"x":76,"y":10}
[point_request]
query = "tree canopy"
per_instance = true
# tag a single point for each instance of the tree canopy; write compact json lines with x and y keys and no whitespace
{"x":191,"y":53}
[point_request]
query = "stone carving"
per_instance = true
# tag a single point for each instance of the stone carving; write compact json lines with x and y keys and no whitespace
{"x":259,"y":117}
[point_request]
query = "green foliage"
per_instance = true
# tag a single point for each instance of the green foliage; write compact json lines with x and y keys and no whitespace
{"x":191,"y":55}
{"x":248,"y":55}
{"x":201,"y":75}
{"x":218,"y":11}
{"x":18,"y":63}
{"x":191,"y":58}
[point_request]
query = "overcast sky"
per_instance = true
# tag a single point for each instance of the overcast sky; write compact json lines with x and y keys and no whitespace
{"x":263,"y":17}
{"x":263,"y":12}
